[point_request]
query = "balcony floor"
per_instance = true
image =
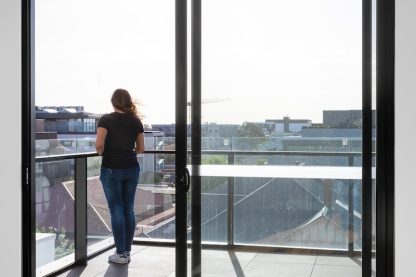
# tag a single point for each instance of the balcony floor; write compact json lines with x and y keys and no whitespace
{"x":152,"y":261}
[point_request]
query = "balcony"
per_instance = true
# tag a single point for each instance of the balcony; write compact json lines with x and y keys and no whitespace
{"x":253,"y":217}
{"x":153,"y":261}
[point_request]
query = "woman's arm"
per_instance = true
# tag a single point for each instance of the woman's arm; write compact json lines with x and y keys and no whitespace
{"x":140,"y":143}
{"x":99,"y":142}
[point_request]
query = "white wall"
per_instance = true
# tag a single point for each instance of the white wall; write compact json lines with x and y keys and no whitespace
{"x":10,"y":138}
{"x":405,"y":98}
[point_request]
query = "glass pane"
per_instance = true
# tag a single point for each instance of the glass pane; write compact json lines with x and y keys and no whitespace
{"x":55,"y":215}
{"x":214,"y":212}
{"x":99,"y":234}
{"x":50,"y":147}
{"x":82,"y":56}
{"x":155,"y":197}
{"x":154,"y":203}
{"x":309,"y":213}
{"x":288,"y":77}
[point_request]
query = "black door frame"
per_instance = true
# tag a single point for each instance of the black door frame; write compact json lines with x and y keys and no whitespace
{"x":28,"y":141}
{"x":385,"y":135}
{"x":196,"y":144}
{"x":385,"y":251}
{"x":367,"y":155}
{"x":28,"y":138}
{"x":182,"y":176}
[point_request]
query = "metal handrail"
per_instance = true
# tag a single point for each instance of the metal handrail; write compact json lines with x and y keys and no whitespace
{"x":59,"y":157}
{"x":282,"y":153}
{"x":50,"y":158}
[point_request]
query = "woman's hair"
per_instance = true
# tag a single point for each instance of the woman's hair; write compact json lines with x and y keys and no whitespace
{"x":122,"y":101}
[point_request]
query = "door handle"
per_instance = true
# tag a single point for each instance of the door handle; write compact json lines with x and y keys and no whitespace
{"x":187,"y":179}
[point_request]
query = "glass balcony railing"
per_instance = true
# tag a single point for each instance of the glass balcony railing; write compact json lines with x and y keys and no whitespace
{"x":315,"y":213}
{"x":306,"y":212}
{"x":55,"y":215}
{"x":281,"y":213}
{"x":99,"y":233}
{"x":311,"y":144}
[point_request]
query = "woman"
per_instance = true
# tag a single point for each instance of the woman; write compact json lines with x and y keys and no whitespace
{"x":119,"y":138}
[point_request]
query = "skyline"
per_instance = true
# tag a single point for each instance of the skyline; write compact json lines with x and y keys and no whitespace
{"x":264,"y":120}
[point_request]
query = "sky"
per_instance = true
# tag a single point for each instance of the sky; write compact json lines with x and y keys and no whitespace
{"x":263,"y":59}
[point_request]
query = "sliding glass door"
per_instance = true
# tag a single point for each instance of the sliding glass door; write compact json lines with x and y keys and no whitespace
{"x":282,"y":134}
{"x":79,"y":53}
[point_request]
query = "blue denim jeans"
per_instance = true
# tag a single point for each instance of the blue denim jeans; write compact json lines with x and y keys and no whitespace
{"x":120,"y":190}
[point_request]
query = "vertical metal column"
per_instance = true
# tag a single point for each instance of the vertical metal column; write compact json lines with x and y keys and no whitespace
{"x":81,"y":211}
{"x":367,"y":138}
{"x":350,"y":211}
{"x":196,"y":137}
{"x":230,"y":216}
{"x":181,"y":136}
{"x":385,"y":138}
{"x":28,"y":140}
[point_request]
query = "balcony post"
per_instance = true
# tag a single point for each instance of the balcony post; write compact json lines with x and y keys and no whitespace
{"x":81,"y":211}
{"x":230,"y":202}
{"x":350,"y":210}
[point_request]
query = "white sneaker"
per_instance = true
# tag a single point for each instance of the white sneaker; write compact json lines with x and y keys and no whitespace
{"x":127,"y":254}
{"x":118,"y":258}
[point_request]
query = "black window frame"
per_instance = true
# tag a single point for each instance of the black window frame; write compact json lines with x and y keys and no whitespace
{"x":384,"y":135}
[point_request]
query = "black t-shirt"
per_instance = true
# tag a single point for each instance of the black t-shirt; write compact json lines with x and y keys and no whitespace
{"x":122,"y":131}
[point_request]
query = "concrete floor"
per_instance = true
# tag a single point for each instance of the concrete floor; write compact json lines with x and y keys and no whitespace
{"x":160,"y":261}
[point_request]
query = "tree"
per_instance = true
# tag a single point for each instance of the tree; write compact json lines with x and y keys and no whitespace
{"x":249,"y":129}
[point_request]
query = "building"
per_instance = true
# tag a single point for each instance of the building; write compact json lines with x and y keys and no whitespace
{"x":288,"y":125}
{"x":208,"y":129}
{"x":167,"y":129}
{"x":337,"y":123}
{"x":345,"y":118}
{"x":65,"y":122}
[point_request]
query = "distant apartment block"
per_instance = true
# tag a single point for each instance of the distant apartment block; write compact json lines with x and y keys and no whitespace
{"x":288,"y":125}
{"x":339,"y":123}
{"x":333,"y":132}
{"x":208,"y":129}
{"x":220,"y":130}
{"x":345,"y":118}
{"x":167,"y":129}
{"x":61,"y":121}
